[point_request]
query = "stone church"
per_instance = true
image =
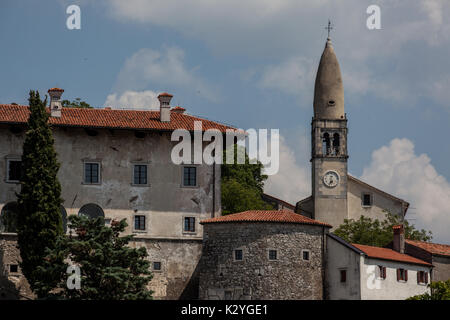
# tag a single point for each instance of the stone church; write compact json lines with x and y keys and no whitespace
{"x":336,"y":195}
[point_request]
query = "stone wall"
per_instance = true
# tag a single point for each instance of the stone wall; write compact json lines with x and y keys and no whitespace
{"x":13,"y":285}
{"x":256,"y":277}
{"x":441,"y":270}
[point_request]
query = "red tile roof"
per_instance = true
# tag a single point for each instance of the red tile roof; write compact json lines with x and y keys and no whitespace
{"x":434,"y":248}
{"x":388,"y":254}
{"x":111,"y":118}
{"x":55,"y":89}
{"x":165,"y":94}
{"x":282,"y":216}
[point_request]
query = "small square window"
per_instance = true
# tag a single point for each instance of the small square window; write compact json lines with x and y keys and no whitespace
{"x":305,"y":255}
{"x":343,"y":276}
{"x":189,"y":224}
{"x":366,"y":199}
{"x":139,"y":222}
{"x":157,"y":266}
{"x":91,"y":172}
{"x":273,"y":255}
{"x":14,"y":170}
{"x":190,"y":176}
{"x":402,"y":275}
{"x":140,"y":174}
{"x":13,"y":268}
{"x":238,"y":255}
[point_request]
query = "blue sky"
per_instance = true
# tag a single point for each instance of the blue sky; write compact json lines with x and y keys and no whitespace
{"x":252,"y":64}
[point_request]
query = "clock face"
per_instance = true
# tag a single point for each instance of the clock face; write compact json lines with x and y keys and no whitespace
{"x":331,"y":179}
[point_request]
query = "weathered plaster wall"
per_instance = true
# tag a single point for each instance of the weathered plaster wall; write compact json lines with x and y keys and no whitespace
{"x":380,"y":203}
{"x":375,"y":288}
{"x":441,"y":270}
{"x":339,"y":257}
{"x":257,"y":277}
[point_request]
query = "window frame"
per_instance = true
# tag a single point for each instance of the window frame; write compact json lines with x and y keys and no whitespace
{"x":269,"y":251}
{"x":342,"y":276}
{"x":99,"y":173}
{"x":160,"y":266}
{"x":309,"y":255}
{"x":196,"y":176}
{"x":363,"y":194}
{"x":402,"y":275}
{"x":184,"y":224}
{"x":382,"y":272}
{"x":242,"y":255}
{"x":145,"y":223}
{"x":133,"y":176}
{"x":10,"y":159}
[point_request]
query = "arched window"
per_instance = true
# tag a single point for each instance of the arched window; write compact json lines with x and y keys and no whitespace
{"x":326,"y":144}
{"x":336,"y":144}
{"x":64,"y":218}
{"x":91,"y":211}
{"x":8,"y":217}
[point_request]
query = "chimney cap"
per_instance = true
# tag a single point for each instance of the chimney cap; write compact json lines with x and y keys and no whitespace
{"x":178,"y":109}
{"x":165,"y":94}
{"x":55,"y":89}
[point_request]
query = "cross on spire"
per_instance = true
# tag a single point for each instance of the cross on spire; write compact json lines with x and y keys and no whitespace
{"x":329,"y":28}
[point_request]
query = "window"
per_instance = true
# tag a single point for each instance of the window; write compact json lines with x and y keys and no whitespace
{"x":139,"y":223}
{"x":13,"y":268}
{"x":91,"y":172}
{"x":157,"y":266}
{"x":238,"y":255}
{"x":382,"y":272}
{"x":422,"y":277}
{"x":402,"y":275}
{"x":190,"y":176}
{"x":326,"y":144}
{"x":305,"y":255}
{"x":8,"y":217}
{"x":366,"y":199}
{"x":140,"y":174}
{"x":343,"y":276}
{"x":91,"y":211}
{"x":189,"y":224}
{"x":273,"y":255}
{"x":13,"y":170}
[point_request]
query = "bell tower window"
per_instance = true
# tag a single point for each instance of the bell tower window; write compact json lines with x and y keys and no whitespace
{"x":326,"y":144}
{"x":336,"y":144}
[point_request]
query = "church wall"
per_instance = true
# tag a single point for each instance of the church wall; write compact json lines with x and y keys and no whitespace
{"x":339,"y":257}
{"x":380,"y":203}
{"x":375,"y":288}
{"x":256,"y":277}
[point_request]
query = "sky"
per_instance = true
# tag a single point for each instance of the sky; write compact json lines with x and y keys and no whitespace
{"x":252,"y":64}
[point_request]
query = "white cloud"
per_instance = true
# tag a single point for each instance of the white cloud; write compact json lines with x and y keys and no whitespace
{"x":146,"y":100}
{"x":292,"y":182}
{"x":287,"y":31}
{"x":397,"y":169}
{"x":165,"y":69}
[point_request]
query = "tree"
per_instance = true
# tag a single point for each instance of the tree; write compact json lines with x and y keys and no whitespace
{"x":440,"y":290}
{"x":39,"y":220}
{"x":77,"y":103}
{"x":378,"y":233}
{"x":242,"y":185}
{"x":109,"y":268}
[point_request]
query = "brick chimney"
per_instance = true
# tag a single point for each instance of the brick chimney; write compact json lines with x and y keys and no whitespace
{"x":399,"y":238}
{"x":164,"y":106}
{"x":55,"y":101}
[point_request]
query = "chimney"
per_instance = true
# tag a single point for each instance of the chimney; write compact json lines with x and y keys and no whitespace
{"x":55,"y":101}
{"x":399,"y":238}
{"x":178,"y":109}
{"x":164,"y":106}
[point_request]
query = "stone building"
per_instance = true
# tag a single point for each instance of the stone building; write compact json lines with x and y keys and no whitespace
{"x":360,"y":272}
{"x":336,"y":195}
{"x":262,"y":255}
{"x":277,"y":203}
{"x":117,"y":164}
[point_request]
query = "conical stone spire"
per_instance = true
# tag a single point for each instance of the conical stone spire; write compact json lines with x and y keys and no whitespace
{"x":329,"y":90}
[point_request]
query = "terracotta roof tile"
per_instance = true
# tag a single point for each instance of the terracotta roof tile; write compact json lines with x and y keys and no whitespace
{"x":388,"y":254}
{"x":434,"y":248}
{"x":282,"y":216}
{"x":114,"y":119}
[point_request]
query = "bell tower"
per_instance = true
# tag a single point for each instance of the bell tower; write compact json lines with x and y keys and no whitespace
{"x":329,"y":142}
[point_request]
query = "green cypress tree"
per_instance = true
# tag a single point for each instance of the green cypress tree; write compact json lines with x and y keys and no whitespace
{"x":39,"y":217}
